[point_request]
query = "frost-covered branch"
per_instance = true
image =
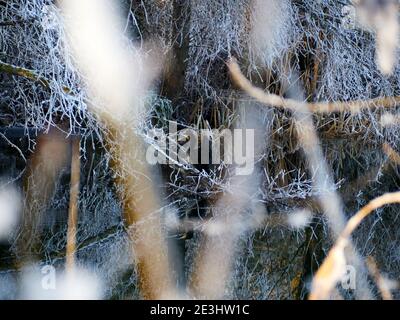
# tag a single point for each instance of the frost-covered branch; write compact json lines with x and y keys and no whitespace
{"x":27,"y":74}
{"x":22,"y":72}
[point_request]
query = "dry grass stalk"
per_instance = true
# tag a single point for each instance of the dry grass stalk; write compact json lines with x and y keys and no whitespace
{"x":73,"y":204}
{"x":276,"y":101}
{"x":219,"y":246}
{"x":44,"y":167}
{"x":382,"y":283}
{"x":218,"y":249}
{"x":141,"y":206}
{"x":111,"y":69}
{"x":332,"y":268}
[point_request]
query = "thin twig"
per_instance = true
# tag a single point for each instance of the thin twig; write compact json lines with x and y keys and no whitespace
{"x":13,"y":145}
{"x":73,"y":204}
{"x":332,"y":268}
{"x":274,"y":100}
{"x":103,"y":51}
{"x":27,"y":74}
{"x":40,"y":178}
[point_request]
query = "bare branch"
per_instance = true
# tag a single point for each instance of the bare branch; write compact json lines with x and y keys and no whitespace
{"x":27,"y":74}
{"x":332,"y":269}
{"x":274,"y":100}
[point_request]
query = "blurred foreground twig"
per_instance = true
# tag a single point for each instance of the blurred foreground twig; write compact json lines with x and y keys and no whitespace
{"x":333,"y":267}
{"x":274,"y":100}
{"x":73,"y":204}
